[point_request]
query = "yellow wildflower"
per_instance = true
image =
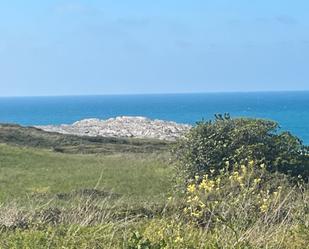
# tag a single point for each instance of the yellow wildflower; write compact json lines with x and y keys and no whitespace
{"x":196,"y":214}
{"x":178,"y":239}
{"x":202,"y":205}
{"x":203,"y":184}
{"x":195,"y":198}
{"x":251,"y":163}
{"x":218,"y":181}
{"x":257,"y":180}
{"x":243,"y":168}
{"x":191,"y":188}
{"x":263,"y":208}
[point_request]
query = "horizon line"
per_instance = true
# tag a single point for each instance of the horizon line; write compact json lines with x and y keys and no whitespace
{"x":156,"y":93}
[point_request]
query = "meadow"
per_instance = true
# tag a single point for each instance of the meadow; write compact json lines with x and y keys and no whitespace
{"x":60,"y":191}
{"x":28,"y":172}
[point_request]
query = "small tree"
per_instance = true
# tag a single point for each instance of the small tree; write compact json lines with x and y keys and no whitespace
{"x":213,"y":145}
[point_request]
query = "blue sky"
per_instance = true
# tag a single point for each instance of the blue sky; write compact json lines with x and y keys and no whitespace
{"x":75,"y":47}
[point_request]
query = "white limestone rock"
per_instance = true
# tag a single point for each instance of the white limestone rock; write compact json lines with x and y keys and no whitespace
{"x":125,"y":126}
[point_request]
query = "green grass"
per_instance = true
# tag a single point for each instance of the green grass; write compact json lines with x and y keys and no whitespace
{"x":36,"y":182}
{"x":113,"y":193}
{"x":135,"y":177}
{"x":36,"y":138}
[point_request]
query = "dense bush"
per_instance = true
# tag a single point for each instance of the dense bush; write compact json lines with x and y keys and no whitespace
{"x":214,"y":145}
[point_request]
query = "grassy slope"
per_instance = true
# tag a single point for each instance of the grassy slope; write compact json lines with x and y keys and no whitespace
{"x":31,"y":174}
{"x":26,"y":170}
{"x":32,"y":137}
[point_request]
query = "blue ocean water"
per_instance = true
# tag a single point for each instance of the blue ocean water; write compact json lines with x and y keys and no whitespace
{"x":290,"y":109}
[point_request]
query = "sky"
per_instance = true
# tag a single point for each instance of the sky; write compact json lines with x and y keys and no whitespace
{"x":77,"y":47}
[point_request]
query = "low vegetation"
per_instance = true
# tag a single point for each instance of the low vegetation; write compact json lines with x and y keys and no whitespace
{"x":36,"y":138}
{"x":32,"y":173}
{"x":231,"y":183}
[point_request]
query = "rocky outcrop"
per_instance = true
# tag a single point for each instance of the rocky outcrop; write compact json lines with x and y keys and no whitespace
{"x":137,"y":127}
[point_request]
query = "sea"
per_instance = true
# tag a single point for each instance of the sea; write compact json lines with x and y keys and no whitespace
{"x":289,"y":109}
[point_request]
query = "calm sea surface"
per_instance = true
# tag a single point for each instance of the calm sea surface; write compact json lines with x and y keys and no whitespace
{"x":290,"y":109}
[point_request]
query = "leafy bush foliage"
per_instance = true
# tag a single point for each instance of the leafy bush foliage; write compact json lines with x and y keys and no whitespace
{"x":214,"y":145}
{"x":248,"y":207}
{"x":248,"y":195}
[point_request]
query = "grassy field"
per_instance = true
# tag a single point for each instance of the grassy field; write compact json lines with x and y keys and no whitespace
{"x":42,"y":172}
{"x":27,"y":171}
{"x":59,"y":191}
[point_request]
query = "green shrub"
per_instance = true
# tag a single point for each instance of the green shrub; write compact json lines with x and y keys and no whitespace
{"x":248,"y":208}
{"x":214,"y":145}
{"x":248,"y":195}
